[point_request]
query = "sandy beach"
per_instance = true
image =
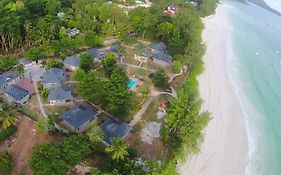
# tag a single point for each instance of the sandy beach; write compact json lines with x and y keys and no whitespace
{"x":224,"y":151}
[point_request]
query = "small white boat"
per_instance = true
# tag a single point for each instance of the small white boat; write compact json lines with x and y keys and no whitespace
{"x":277,"y":51}
{"x":257,"y":53}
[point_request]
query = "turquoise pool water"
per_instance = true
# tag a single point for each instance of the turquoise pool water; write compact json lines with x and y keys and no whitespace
{"x":132,"y":83}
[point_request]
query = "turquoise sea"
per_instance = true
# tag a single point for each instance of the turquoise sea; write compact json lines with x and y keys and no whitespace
{"x":255,"y":72}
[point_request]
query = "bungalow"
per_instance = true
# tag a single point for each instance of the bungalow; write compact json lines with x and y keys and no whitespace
{"x":72,"y":32}
{"x":158,"y":47}
{"x":53,"y":77}
{"x":157,"y":53}
{"x":17,"y":94}
{"x":114,"y":129}
{"x":60,"y":95}
{"x":97,"y":54}
{"x":171,"y":10}
{"x":8,"y":78}
{"x":71,"y":63}
{"x":114,"y":49}
{"x":26,"y":63}
{"x":162,"y":58}
{"x":77,"y":118}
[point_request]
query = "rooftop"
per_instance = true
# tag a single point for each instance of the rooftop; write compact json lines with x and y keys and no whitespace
{"x":113,"y":48}
{"x":114,"y":129}
{"x":53,"y":75}
{"x":78,"y":116}
{"x":72,"y":61}
{"x":96,"y":53}
{"x":159,"y":47}
{"x":60,"y":93}
{"x":162,"y":57}
{"x":7,"y":77}
{"x":16,"y":92}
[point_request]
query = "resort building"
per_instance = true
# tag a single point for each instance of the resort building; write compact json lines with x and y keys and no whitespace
{"x":97,"y":54}
{"x":53,"y":77}
{"x":8,"y":78}
{"x":60,"y":95}
{"x":71,"y":63}
{"x":26,"y":63}
{"x":16,"y":94}
{"x":77,"y":118}
{"x":157,"y":53}
{"x":114,"y":129}
{"x":171,"y":10}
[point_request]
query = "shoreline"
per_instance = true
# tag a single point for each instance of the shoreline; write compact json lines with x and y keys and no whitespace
{"x":225,"y":146}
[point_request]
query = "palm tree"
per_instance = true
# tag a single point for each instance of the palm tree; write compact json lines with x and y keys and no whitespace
{"x":95,"y":134}
{"x":118,"y":149}
{"x":8,"y":119}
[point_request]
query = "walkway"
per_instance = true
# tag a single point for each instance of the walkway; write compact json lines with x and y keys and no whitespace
{"x":138,"y":115}
{"x":173,"y":76}
{"x":153,"y":93}
{"x":41,"y":109}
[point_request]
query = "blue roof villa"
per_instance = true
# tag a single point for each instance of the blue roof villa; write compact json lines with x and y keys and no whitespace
{"x":77,"y":118}
{"x":157,"y":52}
{"x":53,"y":77}
{"x":97,"y":54}
{"x":60,"y":95}
{"x":8,"y":78}
{"x":114,"y":129}
{"x":17,"y":94}
{"x":72,"y":62}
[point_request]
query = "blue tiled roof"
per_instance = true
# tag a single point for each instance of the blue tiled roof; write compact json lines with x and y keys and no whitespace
{"x":114,"y":129}
{"x":16,"y":92}
{"x":7,"y":77}
{"x":78,"y":116}
{"x":147,"y":53}
{"x":53,"y":75}
{"x":113,"y":48}
{"x":60,"y":93}
{"x":162,"y":57}
{"x":160,"y":47}
{"x":96,"y":53}
{"x":72,"y":61}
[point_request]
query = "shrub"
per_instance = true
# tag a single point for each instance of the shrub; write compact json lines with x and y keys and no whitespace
{"x":6,"y":162}
{"x":160,"y":79}
{"x":5,"y":133}
{"x":177,"y":67}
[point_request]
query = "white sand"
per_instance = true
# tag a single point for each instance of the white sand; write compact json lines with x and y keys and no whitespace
{"x":224,"y":151}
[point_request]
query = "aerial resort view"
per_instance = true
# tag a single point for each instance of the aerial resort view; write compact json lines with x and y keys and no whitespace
{"x":134,"y":87}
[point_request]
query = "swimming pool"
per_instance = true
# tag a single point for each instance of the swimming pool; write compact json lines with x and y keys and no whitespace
{"x":132,"y":83}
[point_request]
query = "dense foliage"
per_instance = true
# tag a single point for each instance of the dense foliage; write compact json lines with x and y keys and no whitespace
{"x":6,"y":162}
{"x":50,"y":158}
{"x":53,"y":63}
{"x":160,"y":79}
{"x":112,"y":91}
{"x":7,"y":62}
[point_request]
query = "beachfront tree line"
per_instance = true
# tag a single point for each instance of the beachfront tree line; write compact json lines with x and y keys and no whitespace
{"x":33,"y":26}
{"x":36,"y":25}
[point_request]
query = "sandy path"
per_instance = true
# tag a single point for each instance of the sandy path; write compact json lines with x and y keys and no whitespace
{"x":224,"y":151}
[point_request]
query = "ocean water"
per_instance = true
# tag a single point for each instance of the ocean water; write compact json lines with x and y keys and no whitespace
{"x":254,"y":67}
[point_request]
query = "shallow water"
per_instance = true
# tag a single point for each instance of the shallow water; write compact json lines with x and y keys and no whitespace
{"x":255,"y":73}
